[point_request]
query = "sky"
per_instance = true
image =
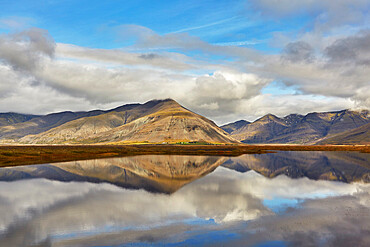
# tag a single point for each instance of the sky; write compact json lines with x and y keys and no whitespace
{"x":226,"y":60}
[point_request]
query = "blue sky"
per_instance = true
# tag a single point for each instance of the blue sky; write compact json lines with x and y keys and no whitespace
{"x":93,"y":23}
{"x":282,"y":45}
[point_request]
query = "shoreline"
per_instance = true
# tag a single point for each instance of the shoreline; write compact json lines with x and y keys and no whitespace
{"x":17,"y":155}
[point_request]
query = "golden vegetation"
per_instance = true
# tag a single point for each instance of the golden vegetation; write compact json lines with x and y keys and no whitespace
{"x":24,"y":155}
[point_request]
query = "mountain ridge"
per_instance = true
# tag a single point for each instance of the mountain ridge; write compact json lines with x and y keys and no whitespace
{"x":155,"y":121}
{"x":166,"y":121}
{"x":360,"y":135}
{"x":7,"y":118}
{"x":300,"y":129}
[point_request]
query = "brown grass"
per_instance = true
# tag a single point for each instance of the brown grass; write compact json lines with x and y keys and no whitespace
{"x":29,"y":154}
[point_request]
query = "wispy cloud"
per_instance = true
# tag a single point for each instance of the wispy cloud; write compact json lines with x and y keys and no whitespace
{"x":205,"y":25}
{"x":240,"y":43}
{"x":16,"y":22}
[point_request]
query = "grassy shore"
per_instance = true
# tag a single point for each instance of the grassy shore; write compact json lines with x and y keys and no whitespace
{"x":28,"y":154}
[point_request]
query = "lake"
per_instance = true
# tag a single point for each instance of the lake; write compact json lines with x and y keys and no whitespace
{"x":307,"y":198}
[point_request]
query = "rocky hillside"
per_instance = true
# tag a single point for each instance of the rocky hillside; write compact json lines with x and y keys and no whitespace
{"x":10,"y":118}
{"x":166,"y":121}
{"x":40,"y":124}
{"x":360,"y":135}
{"x":156,"y":121}
{"x":294,"y":128}
{"x":229,"y":128}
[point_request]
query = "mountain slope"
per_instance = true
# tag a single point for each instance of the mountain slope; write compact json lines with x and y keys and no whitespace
{"x":300,"y":129}
{"x":39,"y":124}
{"x":360,"y":135}
{"x":231,"y":127}
{"x":261,"y":130}
{"x":10,"y":118}
{"x":42,"y":123}
{"x":155,"y":121}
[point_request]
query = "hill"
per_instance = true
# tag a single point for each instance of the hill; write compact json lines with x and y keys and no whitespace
{"x":235,"y":126}
{"x":298,"y":129}
{"x":10,"y":118}
{"x":360,"y":135}
{"x":166,"y":121}
{"x":261,"y":130}
{"x":40,"y":124}
{"x":156,"y":121}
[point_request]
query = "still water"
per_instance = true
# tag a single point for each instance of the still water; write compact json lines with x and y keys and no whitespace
{"x":275,"y":199}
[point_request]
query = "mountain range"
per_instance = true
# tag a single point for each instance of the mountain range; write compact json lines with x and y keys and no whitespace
{"x":168,"y":173}
{"x":337,"y":127}
{"x":156,"y":121}
{"x":336,"y":166}
{"x":166,"y":121}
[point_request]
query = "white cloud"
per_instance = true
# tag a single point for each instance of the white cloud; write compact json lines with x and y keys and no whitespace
{"x":24,"y":50}
{"x":225,"y":196}
{"x":165,"y":60}
{"x":287,"y":104}
{"x":39,"y":76}
{"x":325,"y":14}
{"x":146,"y":38}
{"x":204,"y":26}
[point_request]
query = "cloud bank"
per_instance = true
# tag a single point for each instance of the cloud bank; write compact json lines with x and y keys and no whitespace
{"x":327,"y":67}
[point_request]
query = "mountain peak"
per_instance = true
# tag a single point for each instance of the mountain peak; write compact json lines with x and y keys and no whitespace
{"x":155,"y":121}
{"x":163,"y":105}
{"x":229,"y":128}
{"x":159,"y":101}
{"x":148,"y":104}
{"x":293,"y":119}
{"x":306,"y":129}
{"x":269,"y":116}
{"x":241,"y":122}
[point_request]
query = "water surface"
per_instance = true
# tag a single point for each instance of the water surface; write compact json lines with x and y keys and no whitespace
{"x":277,"y":199}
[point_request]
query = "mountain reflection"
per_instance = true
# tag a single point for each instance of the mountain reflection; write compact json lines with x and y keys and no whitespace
{"x":336,"y":166}
{"x":168,"y":173}
{"x":53,"y":213}
{"x":154,"y":173}
{"x":235,"y":200}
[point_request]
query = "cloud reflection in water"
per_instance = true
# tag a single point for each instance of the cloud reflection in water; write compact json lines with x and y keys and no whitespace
{"x":223,"y":206}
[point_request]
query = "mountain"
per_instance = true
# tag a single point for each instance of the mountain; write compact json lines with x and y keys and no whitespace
{"x":10,"y":118}
{"x":156,"y":121}
{"x":234,"y":126}
{"x":159,"y":121}
{"x":360,"y":135}
{"x":261,"y":130}
{"x":40,"y":124}
{"x":298,"y":129}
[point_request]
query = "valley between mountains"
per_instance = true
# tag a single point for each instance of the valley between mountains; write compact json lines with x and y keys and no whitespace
{"x":166,"y":121}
